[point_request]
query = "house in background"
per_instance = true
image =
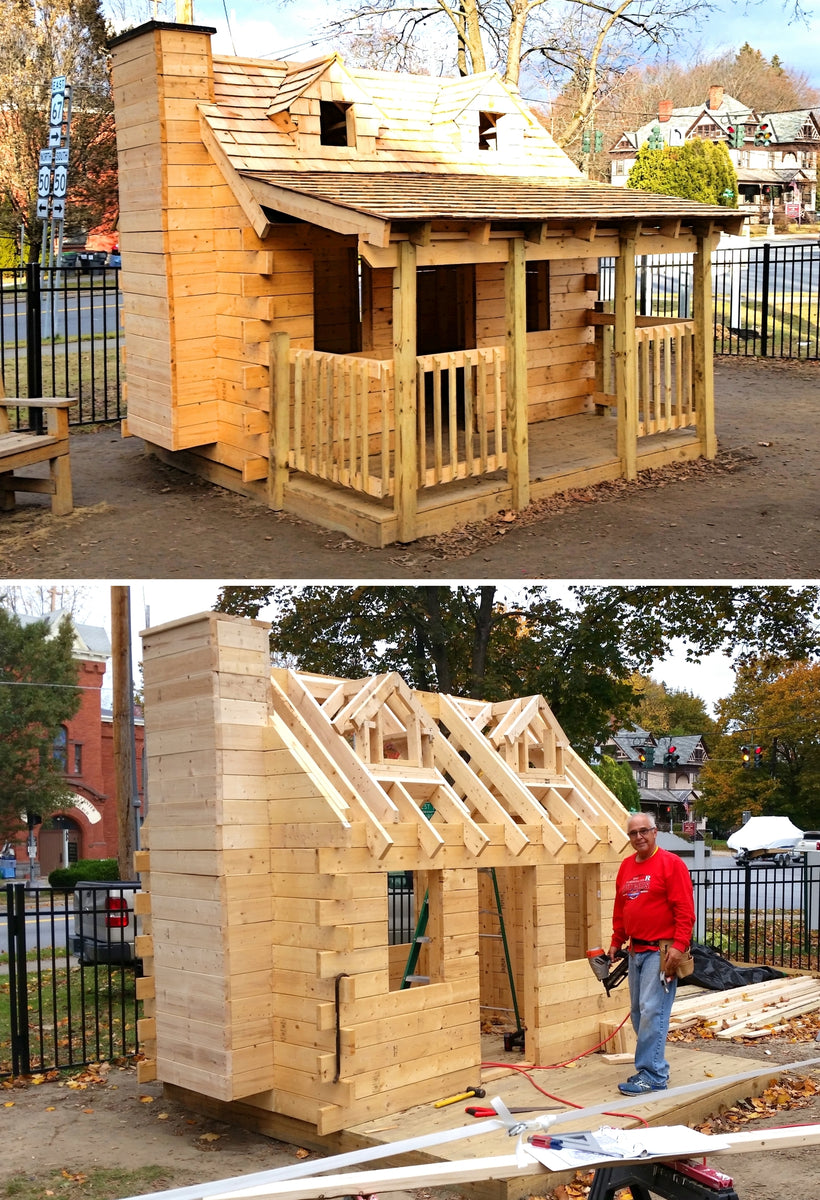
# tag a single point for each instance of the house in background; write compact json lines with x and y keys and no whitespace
{"x":774,"y":154}
{"x":85,"y":749}
{"x":666,"y":770}
{"x":369,"y":299}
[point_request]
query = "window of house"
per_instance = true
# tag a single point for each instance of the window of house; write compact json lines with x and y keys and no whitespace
{"x":335,"y":123}
{"x":78,"y":758}
{"x":538,"y":295}
{"x":487,"y":131}
{"x":60,"y":749}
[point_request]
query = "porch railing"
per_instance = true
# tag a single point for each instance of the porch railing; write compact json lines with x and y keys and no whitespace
{"x":342,"y":418}
{"x":665,"y":352}
{"x":461,"y":415}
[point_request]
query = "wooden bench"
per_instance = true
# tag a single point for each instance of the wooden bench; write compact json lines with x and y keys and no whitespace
{"x":20,"y":448}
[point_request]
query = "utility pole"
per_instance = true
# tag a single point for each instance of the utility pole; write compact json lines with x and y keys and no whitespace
{"x":126,"y":796}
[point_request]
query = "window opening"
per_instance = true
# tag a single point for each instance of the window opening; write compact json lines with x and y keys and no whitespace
{"x":487,"y":131}
{"x":333,"y":123}
{"x":538,"y":295}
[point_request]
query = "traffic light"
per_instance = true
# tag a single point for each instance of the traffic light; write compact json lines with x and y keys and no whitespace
{"x":599,"y":141}
{"x":746,"y":756}
{"x":670,"y":758}
{"x":585,"y":144}
{"x":763,"y":135}
{"x":736,"y":134}
{"x":641,"y":754}
{"x":758,"y":756}
{"x":655,"y":139}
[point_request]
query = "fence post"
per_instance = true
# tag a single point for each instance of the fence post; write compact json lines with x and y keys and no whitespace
{"x":764,"y":304}
{"x":18,"y":982}
{"x":34,"y":345}
{"x":279,"y":428}
{"x":747,"y":916}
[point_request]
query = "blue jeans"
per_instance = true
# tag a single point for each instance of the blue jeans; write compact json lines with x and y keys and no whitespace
{"x":651,"y":1009}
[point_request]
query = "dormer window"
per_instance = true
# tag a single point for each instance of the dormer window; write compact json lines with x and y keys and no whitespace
{"x":335,"y":123}
{"x":487,"y":131}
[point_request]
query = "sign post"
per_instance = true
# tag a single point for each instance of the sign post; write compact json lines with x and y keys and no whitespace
{"x":52,"y":175}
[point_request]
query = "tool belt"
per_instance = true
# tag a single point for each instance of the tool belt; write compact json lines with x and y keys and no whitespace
{"x":686,"y":966}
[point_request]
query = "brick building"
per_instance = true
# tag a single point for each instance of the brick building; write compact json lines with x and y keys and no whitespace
{"x":85,"y":746}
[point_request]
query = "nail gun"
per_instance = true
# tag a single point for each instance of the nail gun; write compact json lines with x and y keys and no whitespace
{"x":609,"y":971}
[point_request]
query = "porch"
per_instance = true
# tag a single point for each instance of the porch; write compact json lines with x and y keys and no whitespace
{"x":337,"y":443}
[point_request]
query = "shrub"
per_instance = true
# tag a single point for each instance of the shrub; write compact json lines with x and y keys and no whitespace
{"x":94,"y":869}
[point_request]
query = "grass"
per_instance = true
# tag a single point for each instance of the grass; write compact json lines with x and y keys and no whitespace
{"x":99,"y":1183}
{"x":76,"y":1015}
{"x":85,"y":369}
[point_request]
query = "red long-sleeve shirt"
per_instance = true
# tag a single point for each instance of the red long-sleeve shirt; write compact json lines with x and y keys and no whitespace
{"x":653,"y":900}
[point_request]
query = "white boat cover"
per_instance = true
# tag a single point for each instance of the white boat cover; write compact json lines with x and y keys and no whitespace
{"x":765,"y":833}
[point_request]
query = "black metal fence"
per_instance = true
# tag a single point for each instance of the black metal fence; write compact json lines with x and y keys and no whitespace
{"x":61,"y":336}
{"x":766,"y":296}
{"x":59,"y":1013}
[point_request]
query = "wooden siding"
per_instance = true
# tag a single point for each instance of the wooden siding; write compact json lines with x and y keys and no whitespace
{"x":279,"y":804}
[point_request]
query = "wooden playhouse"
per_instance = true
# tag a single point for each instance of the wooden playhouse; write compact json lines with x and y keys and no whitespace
{"x":281,"y":806}
{"x":371,"y":299}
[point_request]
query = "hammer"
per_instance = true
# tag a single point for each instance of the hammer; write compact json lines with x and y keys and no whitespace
{"x":476,"y":1091}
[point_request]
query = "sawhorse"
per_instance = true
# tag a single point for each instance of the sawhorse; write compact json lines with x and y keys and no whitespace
{"x":673,"y":1181}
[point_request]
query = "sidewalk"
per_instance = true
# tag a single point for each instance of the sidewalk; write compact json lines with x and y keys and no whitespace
{"x":754,"y":513}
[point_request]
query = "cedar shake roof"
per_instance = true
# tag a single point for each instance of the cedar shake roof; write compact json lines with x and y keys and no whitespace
{"x":406,"y":196}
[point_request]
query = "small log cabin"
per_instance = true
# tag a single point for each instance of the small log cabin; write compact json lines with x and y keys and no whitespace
{"x":280,"y":805}
{"x":369,"y":299}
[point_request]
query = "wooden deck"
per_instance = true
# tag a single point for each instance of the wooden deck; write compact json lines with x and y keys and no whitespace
{"x":571,"y":452}
{"x":590,"y":1081}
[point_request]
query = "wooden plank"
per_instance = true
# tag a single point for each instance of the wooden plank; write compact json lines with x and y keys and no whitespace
{"x":405,"y":399}
{"x":518,"y":466}
{"x":626,"y":368}
{"x":703,"y":380}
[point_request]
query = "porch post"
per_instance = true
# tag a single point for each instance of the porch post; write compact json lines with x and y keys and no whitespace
{"x":515,"y":308}
{"x":405,"y":400}
{"x":703,"y":378}
{"x":279,"y":427}
{"x":626,"y":354}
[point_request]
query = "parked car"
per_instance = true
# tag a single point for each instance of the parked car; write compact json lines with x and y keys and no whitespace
{"x":105,"y":925}
{"x":809,"y":842}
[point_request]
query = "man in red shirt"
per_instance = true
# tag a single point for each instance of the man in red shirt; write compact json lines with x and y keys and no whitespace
{"x":653,"y":902}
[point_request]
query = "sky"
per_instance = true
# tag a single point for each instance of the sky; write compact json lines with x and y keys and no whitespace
{"x":259,"y":29}
{"x":155,"y":602}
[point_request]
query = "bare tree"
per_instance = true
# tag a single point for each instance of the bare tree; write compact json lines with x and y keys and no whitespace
{"x":39,"y":599}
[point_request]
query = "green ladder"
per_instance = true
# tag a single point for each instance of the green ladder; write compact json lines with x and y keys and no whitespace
{"x":511,"y":1040}
{"x":419,"y":939}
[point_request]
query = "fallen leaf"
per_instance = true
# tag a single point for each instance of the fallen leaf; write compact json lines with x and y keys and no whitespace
{"x":51,"y":1108}
{"x":162,"y":1116}
{"x":146,"y":1099}
{"x":9,"y":1104}
{"x":302,"y":1153}
{"x":209,"y":1137}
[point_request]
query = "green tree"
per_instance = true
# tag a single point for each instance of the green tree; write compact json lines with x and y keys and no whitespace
{"x":37,"y":694}
{"x":697,"y":170}
{"x":620,"y":781}
{"x":579,"y":649}
{"x":41,"y":39}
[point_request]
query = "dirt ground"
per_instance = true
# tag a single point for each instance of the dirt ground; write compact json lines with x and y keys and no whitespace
{"x":754,"y":513}
{"x":116,"y":1121}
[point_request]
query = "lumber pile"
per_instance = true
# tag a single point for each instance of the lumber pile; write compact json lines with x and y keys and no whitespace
{"x":751,"y":1011}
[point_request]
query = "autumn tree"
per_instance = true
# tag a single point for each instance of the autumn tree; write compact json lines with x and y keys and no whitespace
{"x":38,"y":692}
{"x":39,"y":40}
{"x":775,"y":706}
{"x":668,"y":711}
{"x":578,"y":648}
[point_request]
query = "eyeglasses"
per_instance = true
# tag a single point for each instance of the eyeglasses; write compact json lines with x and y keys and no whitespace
{"x":634,"y":833}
